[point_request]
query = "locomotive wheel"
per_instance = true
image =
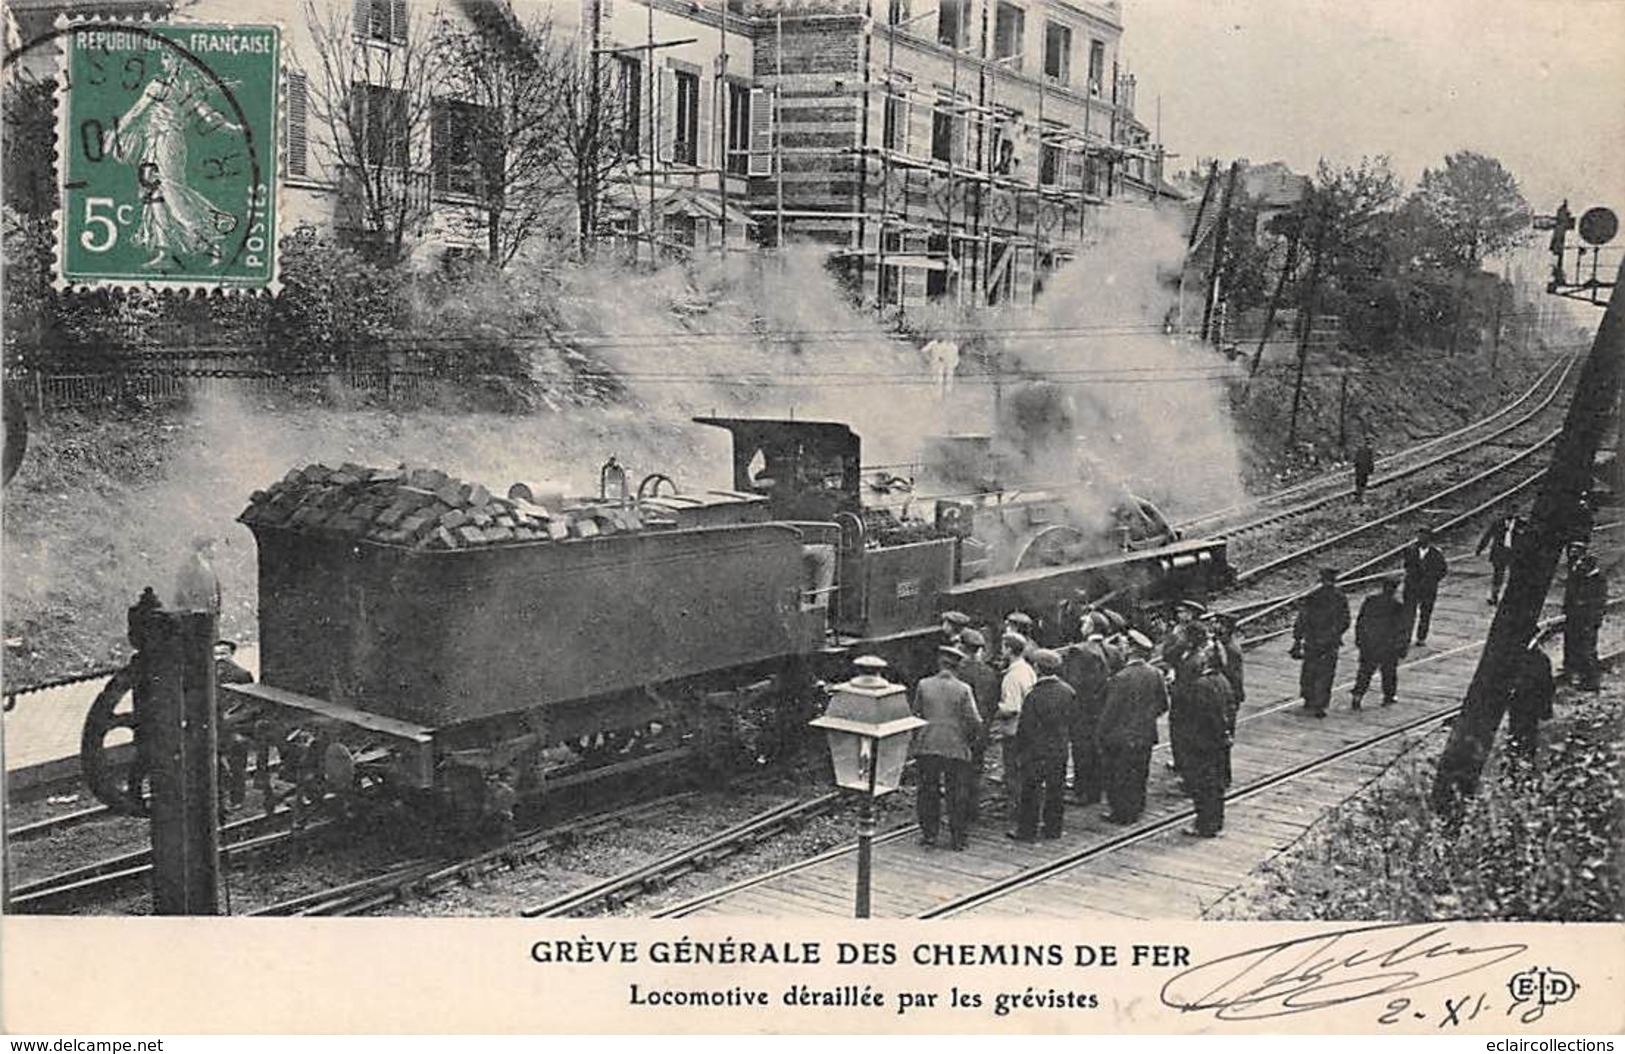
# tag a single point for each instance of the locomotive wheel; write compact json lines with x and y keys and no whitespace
{"x":120,"y":787}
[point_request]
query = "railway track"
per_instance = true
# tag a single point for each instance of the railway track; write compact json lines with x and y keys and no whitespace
{"x":115,"y":875}
{"x":616,"y":890}
{"x":425,"y":875}
{"x":1310,"y":495}
{"x":1100,"y":848}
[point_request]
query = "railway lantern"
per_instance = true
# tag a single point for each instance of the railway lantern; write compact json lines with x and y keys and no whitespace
{"x":868,"y":722}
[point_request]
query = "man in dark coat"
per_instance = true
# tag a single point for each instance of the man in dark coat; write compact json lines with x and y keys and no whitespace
{"x":1234,"y":669}
{"x":1425,"y":568}
{"x":1501,"y":539}
{"x":1136,"y":696}
{"x":1380,"y":635}
{"x":942,"y":749}
{"x":1084,"y":669}
{"x":1207,"y":744}
{"x":1041,"y":740}
{"x":984,"y":687}
{"x":1585,"y":598}
{"x":234,"y":716}
{"x":1530,"y":702}
{"x":1323,"y":618}
{"x":1364,"y":463}
{"x":1185,"y":653}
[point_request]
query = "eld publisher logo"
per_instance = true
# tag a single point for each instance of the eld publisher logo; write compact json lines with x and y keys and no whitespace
{"x":1542,"y":987}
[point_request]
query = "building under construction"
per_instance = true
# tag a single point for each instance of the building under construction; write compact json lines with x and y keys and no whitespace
{"x":949,"y":148}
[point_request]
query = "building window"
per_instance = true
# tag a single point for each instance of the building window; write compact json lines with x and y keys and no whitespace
{"x":384,"y":20}
{"x":1097,"y":66}
{"x":953,"y":23}
{"x":738,"y":129}
{"x":947,"y":133}
{"x":1049,"y":165}
{"x":686,"y":134}
{"x":1057,"y":52}
{"x":457,"y":141}
{"x":936,"y":279}
{"x":897,"y":11}
{"x":1001,"y":152}
{"x":379,"y":120}
{"x":894,"y":127}
{"x":1009,"y":23}
{"x":891,"y":276}
{"x":298,"y":124}
{"x":629,"y":83}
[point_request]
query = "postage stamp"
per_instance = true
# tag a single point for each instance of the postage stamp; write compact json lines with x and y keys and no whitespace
{"x":167,"y":153}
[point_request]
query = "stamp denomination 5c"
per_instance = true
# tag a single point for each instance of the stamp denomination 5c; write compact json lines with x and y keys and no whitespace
{"x":168,"y":156}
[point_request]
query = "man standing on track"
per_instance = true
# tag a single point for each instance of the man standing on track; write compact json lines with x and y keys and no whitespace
{"x":1323,"y":618}
{"x":1229,"y":653}
{"x":1585,"y":598}
{"x":1531,"y":700}
{"x":1083,"y":668}
{"x":984,"y":688}
{"x":942,"y":749}
{"x":1380,"y":634}
{"x":1136,"y":696}
{"x":1425,"y":568}
{"x":1019,"y":678}
{"x":1501,"y":539}
{"x":1041,"y":738}
{"x":1207,"y":743}
{"x":1364,"y":463}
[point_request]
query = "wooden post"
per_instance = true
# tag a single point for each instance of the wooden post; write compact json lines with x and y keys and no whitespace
{"x":1220,"y":235}
{"x":1307,"y":321}
{"x":1287,"y":269}
{"x":1343,"y":411}
{"x":175,"y":708}
{"x":1555,"y":511}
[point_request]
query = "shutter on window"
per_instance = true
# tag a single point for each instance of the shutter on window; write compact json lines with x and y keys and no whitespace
{"x":702,"y":146}
{"x":298,"y":125}
{"x":362,"y":17}
{"x":761,"y":132}
{"x":667,"y":132}
{"x":397,"y":22}
{"x":360,"y":137}
{"x":440,"y":145}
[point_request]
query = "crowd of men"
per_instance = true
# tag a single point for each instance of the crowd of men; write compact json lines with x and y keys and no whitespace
{"x":1078,"y":719}
{"x":1028,"y":717}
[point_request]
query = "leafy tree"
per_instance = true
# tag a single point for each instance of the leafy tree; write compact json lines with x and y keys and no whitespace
{"x":1472,"y":209}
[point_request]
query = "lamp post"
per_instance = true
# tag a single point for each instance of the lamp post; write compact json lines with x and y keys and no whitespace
{"x":867,"y":722}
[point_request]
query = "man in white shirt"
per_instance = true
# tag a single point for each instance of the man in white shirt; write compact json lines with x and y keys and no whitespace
{"x":1019,"y":678}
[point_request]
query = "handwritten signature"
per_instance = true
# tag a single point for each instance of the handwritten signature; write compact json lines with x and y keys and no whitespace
{"x":1329,"y":969}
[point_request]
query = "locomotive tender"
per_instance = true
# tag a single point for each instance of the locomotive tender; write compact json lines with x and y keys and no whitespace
{"x":642,"y":624}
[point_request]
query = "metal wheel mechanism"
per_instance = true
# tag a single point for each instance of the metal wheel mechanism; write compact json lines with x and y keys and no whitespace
{"x":649,"y":487}
{"x":1049,"y":546}
{"x":119,"y":786}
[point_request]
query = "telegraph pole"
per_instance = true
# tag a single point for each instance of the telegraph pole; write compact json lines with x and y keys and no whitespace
{"x":1534,"y":563}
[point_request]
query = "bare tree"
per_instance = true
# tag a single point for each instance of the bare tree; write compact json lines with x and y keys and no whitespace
{"x":594,"y":129}
{"x":497,"y":136}
{"x":371,"y":87}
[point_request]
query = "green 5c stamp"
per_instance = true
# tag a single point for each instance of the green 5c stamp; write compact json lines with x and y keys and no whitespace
{"x":167,"y":155}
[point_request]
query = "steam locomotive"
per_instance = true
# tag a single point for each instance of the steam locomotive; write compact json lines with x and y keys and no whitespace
{"x":691,"y":626}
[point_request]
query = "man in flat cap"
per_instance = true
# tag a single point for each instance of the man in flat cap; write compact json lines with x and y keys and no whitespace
{"x":1041,"y":742}
{"x":1425,"y":568}
{"x":232,"y":716}
{"x":942,"y":749}
{"x":984,"y":687}
{"x":1206,"y":757}
{"x":1323,"y":618}
{"x":1380,"y":633}
{"x":1084,"y":669}
{"x":1136,"y":696}
{"x":1019,"y":678}
{"x":1530,"y":702}
{"x":954,"y":624}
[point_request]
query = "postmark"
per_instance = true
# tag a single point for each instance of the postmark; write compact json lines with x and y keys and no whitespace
{"x":166,"y":153}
